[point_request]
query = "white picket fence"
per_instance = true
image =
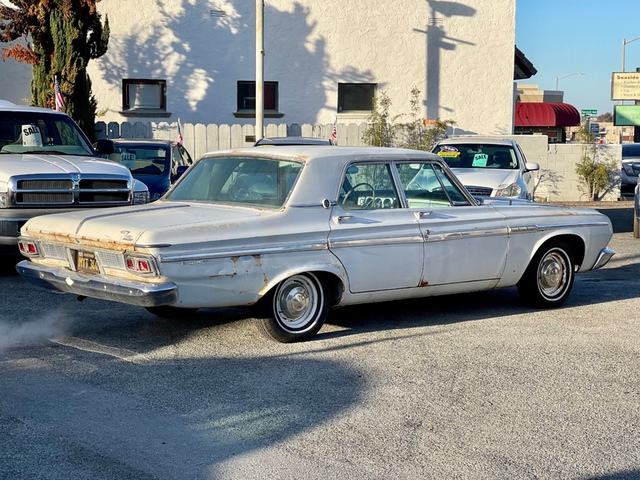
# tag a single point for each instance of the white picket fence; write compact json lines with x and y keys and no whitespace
{"x":199,"y":138}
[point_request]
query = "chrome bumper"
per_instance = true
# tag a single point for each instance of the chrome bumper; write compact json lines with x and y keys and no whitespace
{"x":603,"y":258}
{"x":126,"y":291}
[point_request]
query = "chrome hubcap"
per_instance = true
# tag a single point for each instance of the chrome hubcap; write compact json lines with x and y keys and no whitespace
{"x":297,"y":302}
{"x":552,"y":274}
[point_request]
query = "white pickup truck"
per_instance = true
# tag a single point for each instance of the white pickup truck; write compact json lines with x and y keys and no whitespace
{"x":47,"y":165}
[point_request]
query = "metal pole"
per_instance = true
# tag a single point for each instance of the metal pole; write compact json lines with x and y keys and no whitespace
{"x":624,"y":42}
{"x":259,"y":68}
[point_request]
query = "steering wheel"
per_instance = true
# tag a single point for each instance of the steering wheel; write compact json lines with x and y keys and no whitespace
{"x":361,"y":184}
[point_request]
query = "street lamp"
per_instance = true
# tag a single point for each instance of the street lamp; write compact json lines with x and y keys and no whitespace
{"x":624,"y":44}
{"x":565,"y":76}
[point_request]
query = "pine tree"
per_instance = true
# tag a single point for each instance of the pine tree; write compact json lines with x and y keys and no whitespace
{"x":59,"y":37}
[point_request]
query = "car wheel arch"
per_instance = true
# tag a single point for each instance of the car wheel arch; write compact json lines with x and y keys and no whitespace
{"x":575,"y":243}
{"x":331,"y":276}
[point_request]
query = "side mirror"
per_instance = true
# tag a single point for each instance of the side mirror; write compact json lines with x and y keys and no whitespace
{"x":531,"y":166}
{"x":104,"y":146}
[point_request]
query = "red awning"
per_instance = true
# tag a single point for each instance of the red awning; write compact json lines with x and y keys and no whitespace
{"x":531,"y":114}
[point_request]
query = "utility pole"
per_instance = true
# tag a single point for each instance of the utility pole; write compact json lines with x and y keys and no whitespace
{"x":259,"y":68}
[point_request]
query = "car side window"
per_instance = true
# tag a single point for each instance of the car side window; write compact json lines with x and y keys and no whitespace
{"x":426,"y":185}
{"x":368,"y":187}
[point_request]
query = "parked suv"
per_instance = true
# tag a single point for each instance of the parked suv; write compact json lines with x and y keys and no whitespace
{"x":47,"y":165}
{"x":630,"y":167}
{"x":489,"y":167}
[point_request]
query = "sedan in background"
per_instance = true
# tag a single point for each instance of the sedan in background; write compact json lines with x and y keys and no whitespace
{"x":292,"y":231}
{"x":489,"y":167}
{"x":156,"y":163}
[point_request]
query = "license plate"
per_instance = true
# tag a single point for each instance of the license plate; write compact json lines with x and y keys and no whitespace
{"x":87,"y":262}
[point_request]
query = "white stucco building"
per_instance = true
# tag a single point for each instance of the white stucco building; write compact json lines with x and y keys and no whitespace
{"x":195,"y":60}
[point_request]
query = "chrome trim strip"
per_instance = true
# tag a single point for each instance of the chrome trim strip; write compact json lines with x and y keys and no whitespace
{"x":439,"y":237}
{"x":366,"y":242}
{"x":241,"y":252}
{"x":555,"y":226}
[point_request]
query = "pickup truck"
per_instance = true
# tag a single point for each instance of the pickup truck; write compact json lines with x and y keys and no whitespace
{"x":47,"y":165}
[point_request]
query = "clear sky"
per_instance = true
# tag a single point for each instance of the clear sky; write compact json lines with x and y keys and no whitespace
{"x":561,"y":37}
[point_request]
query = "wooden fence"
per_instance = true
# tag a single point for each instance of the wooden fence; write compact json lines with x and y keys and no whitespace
{"x":199,"y":138}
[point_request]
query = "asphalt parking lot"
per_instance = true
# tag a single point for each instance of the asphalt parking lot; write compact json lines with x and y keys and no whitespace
{"x":466,"y":387}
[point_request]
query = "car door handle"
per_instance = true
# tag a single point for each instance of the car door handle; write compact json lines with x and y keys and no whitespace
{"x":424,"y":214}
{"x":340,"y":218}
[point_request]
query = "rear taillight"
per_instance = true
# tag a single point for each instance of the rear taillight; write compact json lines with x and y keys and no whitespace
{"x":140,"y":265}
{"x":28,"y":248}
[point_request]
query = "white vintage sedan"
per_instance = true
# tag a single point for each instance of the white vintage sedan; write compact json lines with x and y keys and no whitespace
{"x":295,"y":230}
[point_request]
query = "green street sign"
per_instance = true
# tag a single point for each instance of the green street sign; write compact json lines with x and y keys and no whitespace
{"x":589,"y":112}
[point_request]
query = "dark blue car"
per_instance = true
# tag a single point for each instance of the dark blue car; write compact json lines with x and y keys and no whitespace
{"x":156,"y":163}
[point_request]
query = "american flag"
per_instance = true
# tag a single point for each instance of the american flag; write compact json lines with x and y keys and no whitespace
{"x":334,"y":135}
{"x":179,"y":141}
{"x":58,"y":94}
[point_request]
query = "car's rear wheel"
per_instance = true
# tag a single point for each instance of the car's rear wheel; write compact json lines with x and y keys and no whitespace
{"x":168,"y":311}
{"x":295,"y":309}
{"x":549,"y":277}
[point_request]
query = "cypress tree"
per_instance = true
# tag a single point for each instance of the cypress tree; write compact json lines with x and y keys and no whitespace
{"x":65,"y":35}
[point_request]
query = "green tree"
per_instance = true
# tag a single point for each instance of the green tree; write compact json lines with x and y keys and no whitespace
{"x":58,"y":38}
{"x":417,"y":133}
{"x":596,"y":171}
{"x":380,"y":131}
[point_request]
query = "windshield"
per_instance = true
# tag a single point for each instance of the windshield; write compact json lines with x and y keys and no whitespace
{"x":143,"y":159}
{"x":256,"y":182}
{"x":474,"y":155}
{"x":42,"y":133}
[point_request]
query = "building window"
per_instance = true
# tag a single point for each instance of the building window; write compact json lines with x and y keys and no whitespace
{"x":247,"y":99}
{"x":356,"y":97}
{"x":144,"y":97}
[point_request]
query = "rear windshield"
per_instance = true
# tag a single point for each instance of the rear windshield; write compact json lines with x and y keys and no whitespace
{"x":142,"y":159}
{"x":258,"y":182}
{"x":474,"y":155}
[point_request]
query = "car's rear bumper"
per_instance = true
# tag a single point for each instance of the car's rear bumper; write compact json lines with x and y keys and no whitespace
{"x":603,"y":258}
{"x":142,"y":294}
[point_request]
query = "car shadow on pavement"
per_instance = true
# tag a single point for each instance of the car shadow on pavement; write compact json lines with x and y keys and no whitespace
{"x":133,"y":419}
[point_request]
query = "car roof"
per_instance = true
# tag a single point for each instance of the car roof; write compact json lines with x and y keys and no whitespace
{"x":477,"y":139}
{"x":6,"y":106}
{"x":339,"y":155}
{"x":292,"y":141}
{"x":142,"y":141}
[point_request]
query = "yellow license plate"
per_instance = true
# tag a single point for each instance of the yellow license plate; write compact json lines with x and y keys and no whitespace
{"x":87,"y":262}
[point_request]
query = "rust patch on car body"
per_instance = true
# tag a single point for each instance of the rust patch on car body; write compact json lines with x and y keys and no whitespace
{"x":423,"y":283}
{"x":92,"y":242}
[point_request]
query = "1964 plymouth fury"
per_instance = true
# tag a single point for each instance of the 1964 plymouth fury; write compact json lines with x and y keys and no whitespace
{"x":293,"y":231}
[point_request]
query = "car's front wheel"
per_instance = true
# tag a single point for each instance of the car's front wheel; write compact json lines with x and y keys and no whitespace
{"x":549,"y":277}
{"x":295,"y":309}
